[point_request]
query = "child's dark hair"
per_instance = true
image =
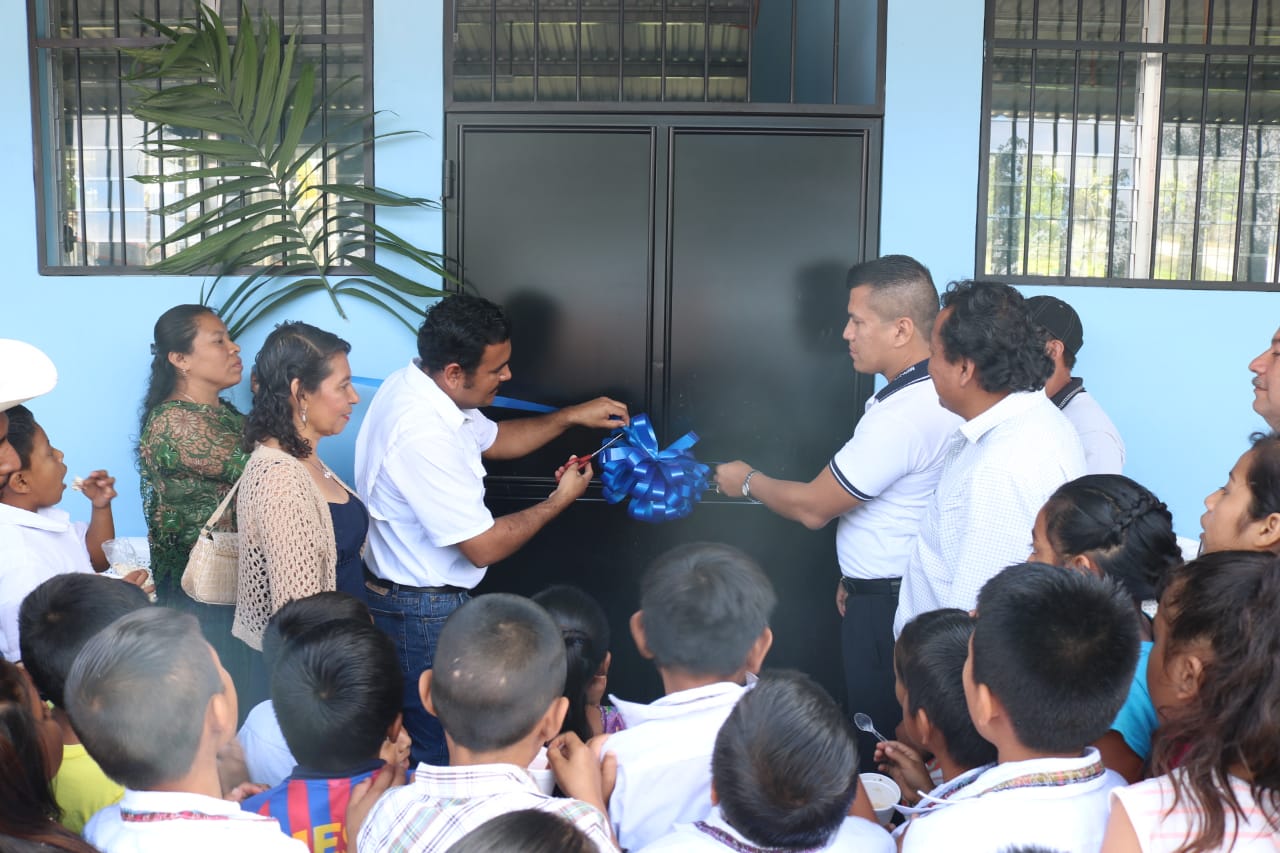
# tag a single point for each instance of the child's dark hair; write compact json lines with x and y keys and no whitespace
{"x":300,"y":615}
{"x":137,"y":695}
{"x":59,"y":616}
{"x":704,"y":605}
{"x":1058,"y":648}
{"x":22,"y":433}
{"x":1263,"y":476}
{"x":28,"y":810}
{"x":929,"y":659}
{"x":785,"y":764}
{"x":1125,"y":529}
{"x":1228,"y":600}
{"x":499,"y":664}
{"x":585,"y":629}
{"x":527,"y":830}
{"x":336,"y":690}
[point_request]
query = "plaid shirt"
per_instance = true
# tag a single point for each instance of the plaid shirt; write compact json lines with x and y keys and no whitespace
{"x":442,"y":804}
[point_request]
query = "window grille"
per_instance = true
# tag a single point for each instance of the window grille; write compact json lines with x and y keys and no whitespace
{"x":1132,"y":141}
{"x":673,"y":52}
{"x":92,"y":215}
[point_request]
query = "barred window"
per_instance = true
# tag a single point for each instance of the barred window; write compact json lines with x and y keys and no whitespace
{"x":1132,"y":140}
{"x":92,"y":215}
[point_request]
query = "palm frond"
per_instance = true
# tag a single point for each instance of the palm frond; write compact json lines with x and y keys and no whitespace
{"x":248,"y":114}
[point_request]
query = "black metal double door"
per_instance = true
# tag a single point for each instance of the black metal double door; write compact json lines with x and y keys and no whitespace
{"x":692,"y":267}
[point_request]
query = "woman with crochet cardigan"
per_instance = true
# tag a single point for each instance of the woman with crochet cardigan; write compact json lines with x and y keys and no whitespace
{"x":301,"y":528}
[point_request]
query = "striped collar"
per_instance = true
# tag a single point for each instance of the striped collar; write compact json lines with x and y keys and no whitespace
{"x":917,"y":372}
{"x":1068,"y":392}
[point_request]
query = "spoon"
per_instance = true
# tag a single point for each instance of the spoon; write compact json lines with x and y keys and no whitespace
{"x":863,"y":722}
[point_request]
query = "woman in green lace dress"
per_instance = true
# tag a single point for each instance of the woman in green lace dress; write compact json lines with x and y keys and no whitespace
{"x":189,"y":455}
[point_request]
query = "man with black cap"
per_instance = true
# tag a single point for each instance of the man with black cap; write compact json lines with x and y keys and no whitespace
{"x":1103,"y":447}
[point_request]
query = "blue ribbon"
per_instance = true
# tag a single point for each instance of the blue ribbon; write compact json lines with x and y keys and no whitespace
{"x":500,"y":402}
{"x":663,"y":484}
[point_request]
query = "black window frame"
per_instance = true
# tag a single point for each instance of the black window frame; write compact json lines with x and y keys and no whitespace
{"x":44,"y":126}
{"x":1124,"y":46}
{"x":873,"y":109}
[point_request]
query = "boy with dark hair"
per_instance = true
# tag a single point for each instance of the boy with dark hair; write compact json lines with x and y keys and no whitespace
{"x":497,"y":689}
{"x":784,"y":775}
{"x":266,"y":755}
{"x":55,"y":621}
{"x":704,"y":622}
{"x":336,"y":690}
{"x":153,"y":705}
{"x":1050,"y":663}
{"x":929,"y":661}
{"x":37,"y":539}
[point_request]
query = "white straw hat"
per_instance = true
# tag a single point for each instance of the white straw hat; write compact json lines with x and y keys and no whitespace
{"x":25,"y":372}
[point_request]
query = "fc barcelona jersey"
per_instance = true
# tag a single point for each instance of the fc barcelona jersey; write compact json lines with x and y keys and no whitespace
{"x":311,"y":808}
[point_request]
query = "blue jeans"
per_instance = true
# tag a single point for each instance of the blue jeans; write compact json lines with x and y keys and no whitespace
{"x":413,"y":621}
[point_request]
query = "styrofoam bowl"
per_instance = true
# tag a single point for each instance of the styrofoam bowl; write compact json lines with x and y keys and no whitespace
{"x":884,"y":794}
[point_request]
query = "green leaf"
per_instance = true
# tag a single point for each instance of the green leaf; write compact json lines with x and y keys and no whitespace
{"x":299,"y":115}
{"x":215,"y":191}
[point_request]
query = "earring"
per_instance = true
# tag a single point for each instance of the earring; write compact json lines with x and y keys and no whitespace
{"x":303,"y":415}
{"x":184,"y":372}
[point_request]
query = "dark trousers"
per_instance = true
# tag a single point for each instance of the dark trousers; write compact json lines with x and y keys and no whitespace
{"x":866,"y":639}
{"x":413,"y":619}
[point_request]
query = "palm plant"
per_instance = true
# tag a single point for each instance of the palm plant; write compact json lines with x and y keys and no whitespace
{"x":240,"y":110}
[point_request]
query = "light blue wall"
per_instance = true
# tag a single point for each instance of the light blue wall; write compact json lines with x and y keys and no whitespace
{"x":97,"y":329}
{"x":1170,"y":367}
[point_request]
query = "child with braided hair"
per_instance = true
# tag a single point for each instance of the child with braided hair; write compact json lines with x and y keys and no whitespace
{"x":1108,"y":525}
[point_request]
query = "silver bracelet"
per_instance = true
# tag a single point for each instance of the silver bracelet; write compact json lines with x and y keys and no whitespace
{"x":746,"y":485}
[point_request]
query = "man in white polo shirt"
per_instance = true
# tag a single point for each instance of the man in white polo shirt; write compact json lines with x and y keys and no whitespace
{"x":419,"y":467}
{"x":1103,"y":447}
{"x":878,"y":484}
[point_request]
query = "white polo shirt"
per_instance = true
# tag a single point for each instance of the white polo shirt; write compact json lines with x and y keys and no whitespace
{"x":1058,"y":803}
{"x":419,"y":470}
{"x":1000,"y":469}
{"x":664,"y":760}
{"x":715,"y":835}
{"x":892,"y":464}
{"x":34,"y":546}
{"x":165,"y":821}
{"x":1103,"y":447}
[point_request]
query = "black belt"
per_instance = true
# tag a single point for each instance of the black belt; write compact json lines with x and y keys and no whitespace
{"x":877,"y":586}
{"x":382,"y":586}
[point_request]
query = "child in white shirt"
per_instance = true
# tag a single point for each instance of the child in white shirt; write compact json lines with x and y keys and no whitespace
{"x":704,"y":622}
{"x":928,"y":664}
{"x":1050,"y":662}
{"x":784,"y":777}
{"x":153,"y":706}
{"x":37,"y":540}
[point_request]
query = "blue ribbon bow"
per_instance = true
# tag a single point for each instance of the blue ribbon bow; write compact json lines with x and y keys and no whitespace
{"x":663,"y":484}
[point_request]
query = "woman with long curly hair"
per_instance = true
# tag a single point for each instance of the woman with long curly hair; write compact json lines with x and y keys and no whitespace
{"x":30,"y":752}
{"x":301,"y":528}
{"x":1214,"y":676}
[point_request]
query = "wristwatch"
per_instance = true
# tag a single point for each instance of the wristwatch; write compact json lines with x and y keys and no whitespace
{"x":746,"y":484}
